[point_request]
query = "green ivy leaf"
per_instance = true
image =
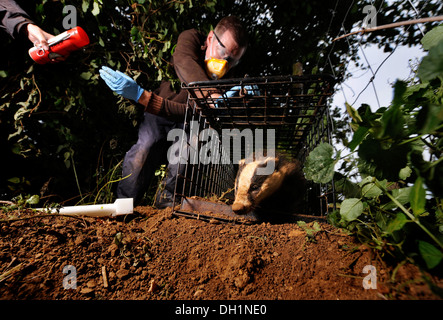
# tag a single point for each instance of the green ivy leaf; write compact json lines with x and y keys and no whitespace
{"x":95,"y":9}
{"x":405,"y":173}
{"x":320,"y":165}
{"x":86,"y":75}
{"x":85,"y":5}
{"x":351,"y":209}
{"x":430,"y":254}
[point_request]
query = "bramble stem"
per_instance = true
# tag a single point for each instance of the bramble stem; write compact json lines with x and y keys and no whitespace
{"x":410,"y":215}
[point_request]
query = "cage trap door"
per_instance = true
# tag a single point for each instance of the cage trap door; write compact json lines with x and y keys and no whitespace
{"x":212,"y":211}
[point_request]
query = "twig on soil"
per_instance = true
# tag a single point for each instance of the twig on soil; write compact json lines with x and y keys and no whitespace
{"x":10,"y":272}
{"x":105,"y":277}
{"x":10,"y":263}
{"x":41,"y":216}
{"x":7,"y":202}
{"x":225,"y":193}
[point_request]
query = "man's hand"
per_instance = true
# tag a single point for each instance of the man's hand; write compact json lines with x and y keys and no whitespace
{"x":237,"y":91}
{"x":40,"y":40}
{"x":121,"y":83}
{"x":38,"y":37}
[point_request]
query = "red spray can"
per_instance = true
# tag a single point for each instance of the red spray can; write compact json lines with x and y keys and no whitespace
{"x":61,"y":45}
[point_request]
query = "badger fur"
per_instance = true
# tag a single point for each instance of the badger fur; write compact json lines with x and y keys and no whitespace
{"x":280,"y":191}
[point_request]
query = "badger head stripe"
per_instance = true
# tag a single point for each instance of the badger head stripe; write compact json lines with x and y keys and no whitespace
{"x":243,"y":183}
{"x":251,"y":188}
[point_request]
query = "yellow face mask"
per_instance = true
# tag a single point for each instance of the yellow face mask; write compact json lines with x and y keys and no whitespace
{"x":216,"y":68}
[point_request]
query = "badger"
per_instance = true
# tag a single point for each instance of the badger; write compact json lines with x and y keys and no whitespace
{"x":281,"y":191}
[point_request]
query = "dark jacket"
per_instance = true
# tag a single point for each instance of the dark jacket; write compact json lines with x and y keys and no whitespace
{"x":188,"y":63}
{"x":13,"y":18}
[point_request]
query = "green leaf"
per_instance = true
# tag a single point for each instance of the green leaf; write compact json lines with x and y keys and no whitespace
{"x":33,"y":199}
{"x":396,"y":224}
{"x":86,"y":75}
{"x":358,"y":137}
{"x":380,"y":161}
{"x":392,"y":123}
{"x":302,"y":224}
{"x":399,"y":91}
{"x":432,"y":37}
{"x":15,"y":180}
{"x":431,"y":66}
{"x":96,"y":9}
{"x":134,"y":31}
{"x":15,"y":148}
{"x":430,"y":118}
{"x":430,"y":171}
{"x":401,"y":195}
{"x":405,"y":173}
{"x":346,"y":187}
{"x":369,"y":189}
{"x":411,"y":90}
{"x":353,"y":113}
{"x":85,"y":5}
{"x":320,"y":165}
{"x":430,"y":254}
{"x":351,"y":209}
{"x":316,"y":226}
{"x":417,"y":197}
{"x":118,"y":239}
{"x":3,"y":74}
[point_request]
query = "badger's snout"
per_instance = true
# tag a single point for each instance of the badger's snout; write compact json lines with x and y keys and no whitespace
{"x":239,"y":208}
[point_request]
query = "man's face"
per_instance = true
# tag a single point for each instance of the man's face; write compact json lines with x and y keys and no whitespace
{"x":224,"y":47}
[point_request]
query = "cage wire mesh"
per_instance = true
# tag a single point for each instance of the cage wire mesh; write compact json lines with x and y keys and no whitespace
{"x":288,"y":113}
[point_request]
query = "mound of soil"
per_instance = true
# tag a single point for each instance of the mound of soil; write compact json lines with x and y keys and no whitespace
{"x":155,"y":255}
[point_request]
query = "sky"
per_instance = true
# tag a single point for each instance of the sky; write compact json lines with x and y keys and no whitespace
{"x":396,"y":67}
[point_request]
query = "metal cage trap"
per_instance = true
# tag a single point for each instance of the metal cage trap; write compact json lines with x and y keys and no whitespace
{"x":288,"y":113}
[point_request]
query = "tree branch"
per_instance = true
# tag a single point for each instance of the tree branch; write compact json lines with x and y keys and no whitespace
{"x":391,"y":25}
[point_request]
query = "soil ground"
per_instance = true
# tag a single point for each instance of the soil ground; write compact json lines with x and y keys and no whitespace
{"x":155,"y":255}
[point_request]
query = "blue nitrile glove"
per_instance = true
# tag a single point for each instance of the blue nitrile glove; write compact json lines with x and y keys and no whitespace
{"x":235,"y":92}
{"x":250,"y":91}
{"x":121,"y":83}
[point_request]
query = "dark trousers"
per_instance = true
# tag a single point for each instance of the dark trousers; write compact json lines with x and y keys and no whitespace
{"x":146,"y":156}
